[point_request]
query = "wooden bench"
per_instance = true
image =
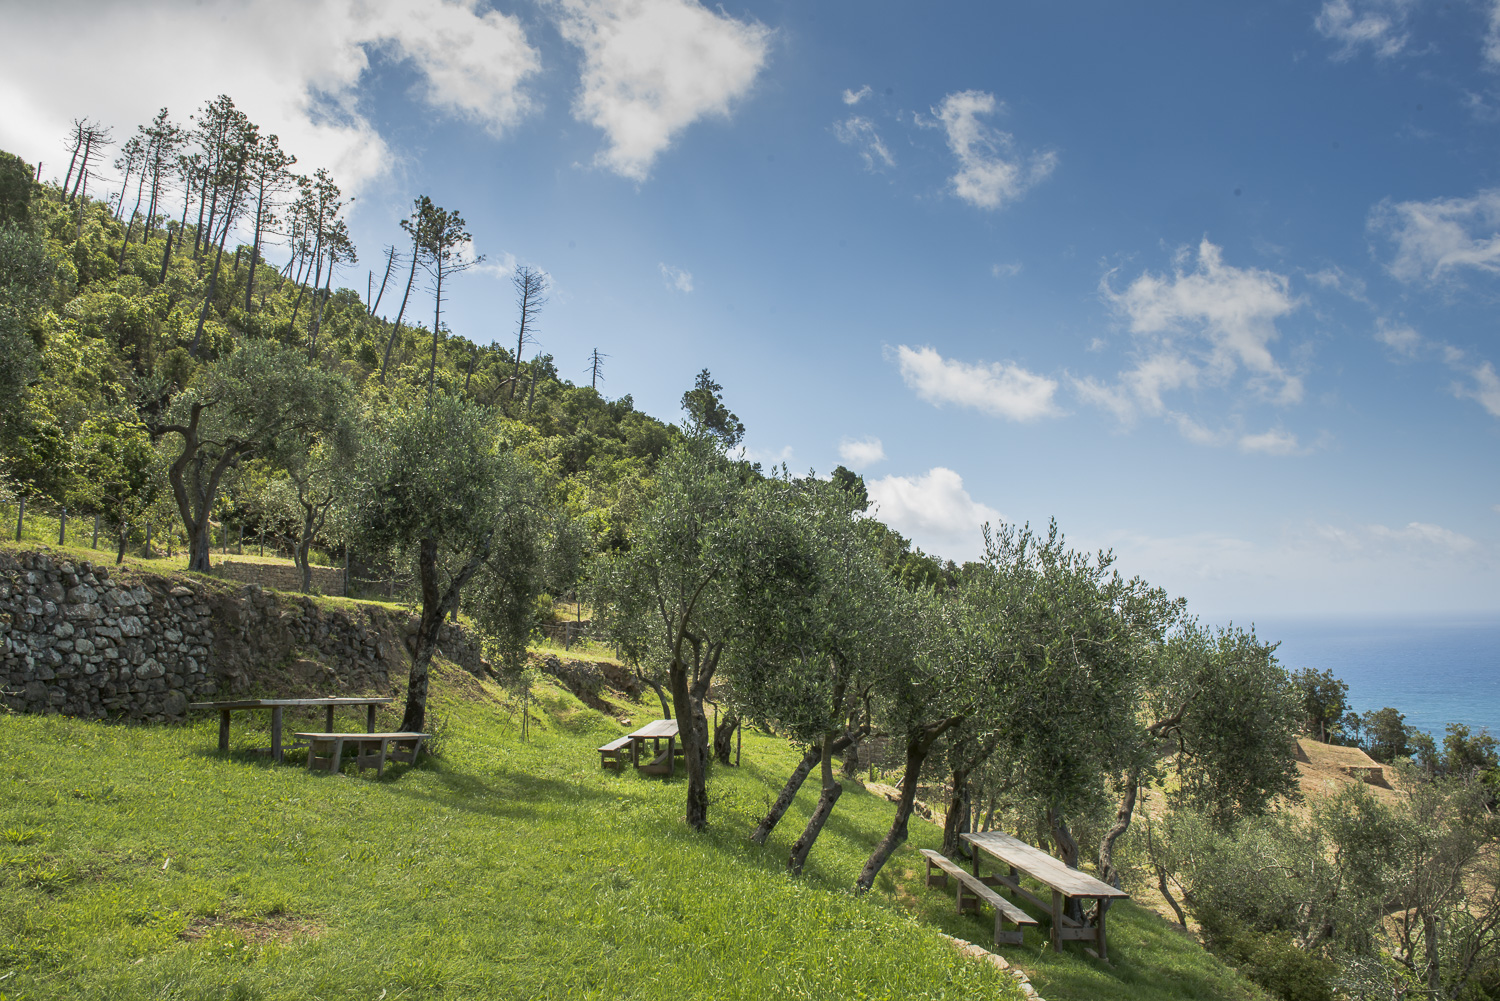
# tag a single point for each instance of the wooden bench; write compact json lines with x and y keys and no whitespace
{"x":371,"y":750}
{"x":971,"y":890}
{"x":613,"y":754}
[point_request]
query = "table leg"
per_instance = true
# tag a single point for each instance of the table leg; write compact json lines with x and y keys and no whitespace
{"x":223,"y":729}
{"x":330,"y":719}
{"x":1057,"y":909}
{"x":635,"y":752}
{"x":1101,"y":908}
{"x":671,"y":757}
{"x":276,"y":734}
{"x":370,"y":718}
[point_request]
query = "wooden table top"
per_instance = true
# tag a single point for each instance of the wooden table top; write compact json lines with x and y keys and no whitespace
{"x":271,"y":703}
{"x":1040,"y":866}
{"x":657,"y":728}
{"x":366,"y":736}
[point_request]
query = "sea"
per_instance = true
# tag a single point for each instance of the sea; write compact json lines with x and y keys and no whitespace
{"x":1436,"y":671}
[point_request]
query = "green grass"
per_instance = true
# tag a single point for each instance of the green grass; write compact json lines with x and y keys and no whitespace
{"x":138,"y":862}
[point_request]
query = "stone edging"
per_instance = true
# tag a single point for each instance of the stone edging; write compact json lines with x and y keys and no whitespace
{"x":997,"y":961}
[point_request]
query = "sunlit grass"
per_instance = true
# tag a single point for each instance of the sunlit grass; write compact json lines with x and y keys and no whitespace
{"x":139,"y":862}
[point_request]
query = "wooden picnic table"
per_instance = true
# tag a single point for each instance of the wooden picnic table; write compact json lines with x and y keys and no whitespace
{"x":1066,"y":884}
{"x":656,"y":731}
{"x":277,"y":705}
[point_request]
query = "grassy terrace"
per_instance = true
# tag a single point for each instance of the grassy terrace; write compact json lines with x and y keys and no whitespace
{"x":137,"y":862}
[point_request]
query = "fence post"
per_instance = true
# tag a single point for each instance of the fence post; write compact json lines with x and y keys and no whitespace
{"x":346,"y":569}
{"x":96,"y":531}
{"x":20,"y":517}
{"x":62,"y":528}
{"x":148,"y":540}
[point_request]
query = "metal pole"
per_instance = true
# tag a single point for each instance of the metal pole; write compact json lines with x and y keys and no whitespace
{"x":62,"y":528}
{"x":20,"y":517}
{"x":148,"y":540}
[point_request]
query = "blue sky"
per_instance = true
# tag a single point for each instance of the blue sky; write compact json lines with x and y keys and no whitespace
{"x":1213,"y":285}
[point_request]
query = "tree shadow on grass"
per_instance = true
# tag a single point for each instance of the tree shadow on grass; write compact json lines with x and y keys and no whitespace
{"x":508,"y":795}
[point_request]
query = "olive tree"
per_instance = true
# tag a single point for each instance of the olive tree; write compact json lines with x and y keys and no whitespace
{"x":1225,"y":764}
{"x":809,"y":662}
{"x":439,"y":487}
{"x":256,"y":401}
{"x":708,"y":556}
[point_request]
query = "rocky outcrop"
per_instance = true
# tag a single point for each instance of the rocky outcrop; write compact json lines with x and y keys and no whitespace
{"x":87,"y":640}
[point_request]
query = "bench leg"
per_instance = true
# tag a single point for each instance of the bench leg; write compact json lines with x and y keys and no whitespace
{"x":329,"y":728}
{"x":1002,"y":935}
{"x":276,"y":734}
{"x":370,"y":718}
{"x":223,"y":729}
{"x":380,"y":768}
{"x":1057,"y":909}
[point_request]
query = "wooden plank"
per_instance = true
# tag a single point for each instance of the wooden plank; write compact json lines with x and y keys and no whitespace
{"x":407,"y":734}
{"x":1040,"y":866}
{"x":978,"y":888}
{"x":268,"y":703}
{"x":1014,"y":886}
{"x":657,"y":728}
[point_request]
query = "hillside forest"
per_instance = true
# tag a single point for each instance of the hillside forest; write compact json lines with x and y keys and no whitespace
{"x":183,"y":366}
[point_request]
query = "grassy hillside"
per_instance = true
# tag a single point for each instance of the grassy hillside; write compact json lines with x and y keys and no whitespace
{"x":137,"y":862}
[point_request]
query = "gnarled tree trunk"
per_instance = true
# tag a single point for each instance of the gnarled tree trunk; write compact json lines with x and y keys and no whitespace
{"x":918,"y":744}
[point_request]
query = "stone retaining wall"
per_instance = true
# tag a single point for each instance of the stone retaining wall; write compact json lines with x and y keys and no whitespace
{"x":281,"y":577}
{"x":89,"y":640}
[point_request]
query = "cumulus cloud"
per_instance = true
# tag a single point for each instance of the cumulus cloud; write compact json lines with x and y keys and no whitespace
{"x":1418,"y":537}
{"x":1399,"y":337}
{"x":677,"y":278}
{"x":1483,"y":387}
{"x":860,"y":133}
{"x":651,"y":68}
{"x":934,"y":510}
{"x":1000,"y":389}
{"x":1201,"y":326}
{"x":1477,"y":380}
{"x":1272,"y":442}
{"x":1006,"y":270}
{"x":1376,"y":25}
{"x":1441,"y":236}
{"x":302,"y":85}
{"x":855,"y":96}
{"x":858,"y":453}
{"x":990,"y":173}
{"x":1491,"y":50}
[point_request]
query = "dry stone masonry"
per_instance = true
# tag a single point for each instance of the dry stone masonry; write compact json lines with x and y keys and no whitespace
{"x":88,"y":640}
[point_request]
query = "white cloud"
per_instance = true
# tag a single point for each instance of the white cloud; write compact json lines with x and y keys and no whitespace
{"x":1484,"y":388}
{"x":1399,"y":338}
{"x":1491,"y":50}
{"x":1314,"y":568}
{"x":1193,"y":329}
{"x":301,"y":84}
{"x":1416,"y":536}
{"x":999,"y":389}
{"x":934,"y":510}
{"x":860,"y":133}
{"x":855,"y":96}
{"x":858,"y":453}
{"x":1443,"y":235}
{"x":989,"y":174}
{"x":1379,"y":25}
{"x":1006,"y":270}
{"x":1479,"y":381}
{"x":677,"y":278}
{"x":651,"y":68}
{"x":766,"y":457}
{"x":1272,"y":442}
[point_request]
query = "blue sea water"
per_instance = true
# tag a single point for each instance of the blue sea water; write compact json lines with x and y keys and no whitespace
{"x":1435,"y":671}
